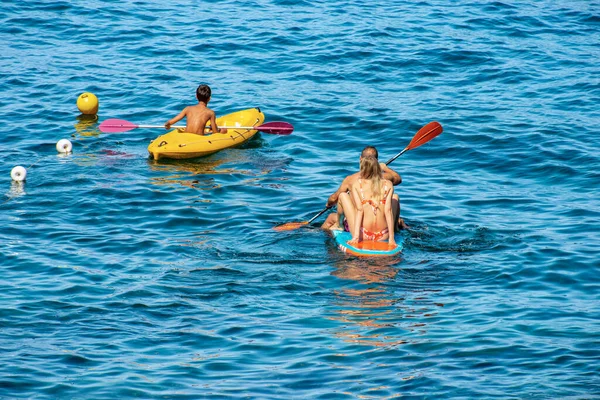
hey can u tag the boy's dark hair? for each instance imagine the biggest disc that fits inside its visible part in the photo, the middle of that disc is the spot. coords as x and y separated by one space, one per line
370 151
203 93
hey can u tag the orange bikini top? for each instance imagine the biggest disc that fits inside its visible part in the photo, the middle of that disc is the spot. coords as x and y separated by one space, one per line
373 204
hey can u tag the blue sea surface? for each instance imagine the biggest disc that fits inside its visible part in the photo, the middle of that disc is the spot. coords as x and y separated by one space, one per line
125 277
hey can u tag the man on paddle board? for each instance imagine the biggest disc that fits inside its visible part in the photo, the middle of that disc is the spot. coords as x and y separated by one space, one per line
198 115
333 220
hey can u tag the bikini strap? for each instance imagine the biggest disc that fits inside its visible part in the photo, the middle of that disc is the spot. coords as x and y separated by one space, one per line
362 194
385 193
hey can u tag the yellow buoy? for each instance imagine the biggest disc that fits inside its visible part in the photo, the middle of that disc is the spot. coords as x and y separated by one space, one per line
87 103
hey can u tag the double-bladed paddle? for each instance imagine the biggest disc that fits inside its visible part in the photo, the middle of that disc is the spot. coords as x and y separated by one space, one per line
423 135
120 125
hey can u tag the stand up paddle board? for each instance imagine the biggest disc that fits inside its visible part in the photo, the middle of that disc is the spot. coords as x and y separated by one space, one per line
366 248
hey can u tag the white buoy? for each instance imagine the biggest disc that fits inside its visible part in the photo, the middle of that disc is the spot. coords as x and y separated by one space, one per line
18 174
64 146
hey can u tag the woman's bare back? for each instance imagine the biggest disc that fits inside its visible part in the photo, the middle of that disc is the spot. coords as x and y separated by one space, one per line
373 211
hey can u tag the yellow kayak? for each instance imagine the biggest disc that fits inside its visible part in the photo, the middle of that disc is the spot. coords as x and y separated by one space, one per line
180 144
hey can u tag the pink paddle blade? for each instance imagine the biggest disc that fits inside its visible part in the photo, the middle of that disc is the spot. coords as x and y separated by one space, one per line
277 128
114 125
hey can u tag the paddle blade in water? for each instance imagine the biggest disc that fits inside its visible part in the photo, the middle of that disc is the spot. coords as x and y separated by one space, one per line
116 126
290 226
425 134
277 128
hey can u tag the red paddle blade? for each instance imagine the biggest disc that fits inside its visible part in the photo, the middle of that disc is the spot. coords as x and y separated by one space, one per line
277 128
116 125
289 226
425 134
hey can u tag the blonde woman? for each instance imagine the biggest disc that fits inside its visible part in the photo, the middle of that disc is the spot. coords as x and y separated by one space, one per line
369 211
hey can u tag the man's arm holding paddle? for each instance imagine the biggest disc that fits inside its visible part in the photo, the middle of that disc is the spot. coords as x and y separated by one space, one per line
390 174
344 187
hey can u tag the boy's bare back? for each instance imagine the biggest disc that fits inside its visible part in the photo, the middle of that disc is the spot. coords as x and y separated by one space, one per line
196 118
198 115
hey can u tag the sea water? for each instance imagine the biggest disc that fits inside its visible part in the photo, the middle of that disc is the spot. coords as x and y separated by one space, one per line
123 277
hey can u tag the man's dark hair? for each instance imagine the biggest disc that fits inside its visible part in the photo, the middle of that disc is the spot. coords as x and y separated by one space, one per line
370 151
203 93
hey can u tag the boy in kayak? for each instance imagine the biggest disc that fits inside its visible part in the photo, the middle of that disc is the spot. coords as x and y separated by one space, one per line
333 220
198 115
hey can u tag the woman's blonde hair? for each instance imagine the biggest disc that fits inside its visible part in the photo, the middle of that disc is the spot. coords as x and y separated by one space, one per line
370 169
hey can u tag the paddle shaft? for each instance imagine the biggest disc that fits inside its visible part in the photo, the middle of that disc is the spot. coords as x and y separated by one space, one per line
208 127
396 156
114 125
318 215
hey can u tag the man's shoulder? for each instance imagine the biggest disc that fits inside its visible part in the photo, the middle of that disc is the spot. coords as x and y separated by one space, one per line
350 179
348 182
